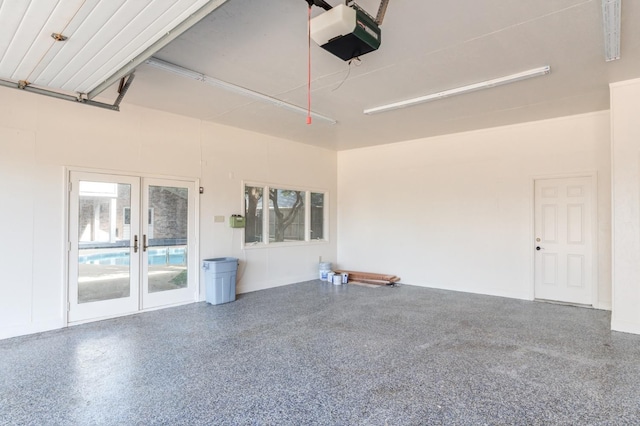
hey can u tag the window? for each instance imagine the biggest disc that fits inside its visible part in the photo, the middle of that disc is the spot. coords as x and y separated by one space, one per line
253 214
291 215
286 215
317 216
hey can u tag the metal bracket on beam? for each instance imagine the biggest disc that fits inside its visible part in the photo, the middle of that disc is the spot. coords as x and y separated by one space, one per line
123 89
23 85
320 3
381 11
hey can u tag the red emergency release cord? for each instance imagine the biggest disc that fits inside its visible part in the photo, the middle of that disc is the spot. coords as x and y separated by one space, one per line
309 70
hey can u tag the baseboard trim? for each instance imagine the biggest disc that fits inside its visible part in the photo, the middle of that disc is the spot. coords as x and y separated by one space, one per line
33 328
625 326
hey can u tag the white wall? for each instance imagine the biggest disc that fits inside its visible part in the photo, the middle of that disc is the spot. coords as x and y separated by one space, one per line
455 212
231 156
625 153
41 136
450 212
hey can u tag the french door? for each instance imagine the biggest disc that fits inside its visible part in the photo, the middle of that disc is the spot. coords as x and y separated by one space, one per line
132 244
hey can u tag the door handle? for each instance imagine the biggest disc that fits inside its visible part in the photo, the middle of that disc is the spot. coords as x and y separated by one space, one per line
135 243
539 248
144 242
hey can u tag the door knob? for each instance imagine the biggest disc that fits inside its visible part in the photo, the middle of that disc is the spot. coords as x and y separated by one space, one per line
539 248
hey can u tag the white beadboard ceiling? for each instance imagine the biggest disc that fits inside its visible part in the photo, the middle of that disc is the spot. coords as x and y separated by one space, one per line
102 37
426 47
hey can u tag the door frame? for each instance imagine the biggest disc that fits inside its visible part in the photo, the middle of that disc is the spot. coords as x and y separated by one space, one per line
593 176
66 304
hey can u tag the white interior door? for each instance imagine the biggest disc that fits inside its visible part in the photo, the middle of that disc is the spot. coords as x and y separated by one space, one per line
132 244
169 264
104 260
563 240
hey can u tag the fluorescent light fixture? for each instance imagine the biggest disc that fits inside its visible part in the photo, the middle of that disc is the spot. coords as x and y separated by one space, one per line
212 81
611 13
460 90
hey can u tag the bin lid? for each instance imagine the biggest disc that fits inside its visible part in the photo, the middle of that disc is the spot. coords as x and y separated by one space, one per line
222 259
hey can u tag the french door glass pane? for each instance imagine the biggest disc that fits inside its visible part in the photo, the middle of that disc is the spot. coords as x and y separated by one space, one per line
104 236
167 232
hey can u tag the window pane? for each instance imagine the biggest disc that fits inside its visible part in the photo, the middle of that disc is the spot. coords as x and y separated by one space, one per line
286 215
317 216
253 214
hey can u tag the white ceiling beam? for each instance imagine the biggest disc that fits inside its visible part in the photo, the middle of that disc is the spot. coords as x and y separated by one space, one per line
212 81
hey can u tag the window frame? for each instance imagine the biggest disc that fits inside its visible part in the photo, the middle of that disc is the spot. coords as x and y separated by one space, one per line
265 243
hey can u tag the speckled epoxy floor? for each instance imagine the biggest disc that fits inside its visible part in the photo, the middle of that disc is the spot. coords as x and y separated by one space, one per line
316 354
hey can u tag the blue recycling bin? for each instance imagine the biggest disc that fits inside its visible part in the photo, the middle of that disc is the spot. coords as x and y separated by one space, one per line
220 279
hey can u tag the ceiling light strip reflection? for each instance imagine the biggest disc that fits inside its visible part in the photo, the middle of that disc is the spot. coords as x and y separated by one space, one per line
460 90
212 81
